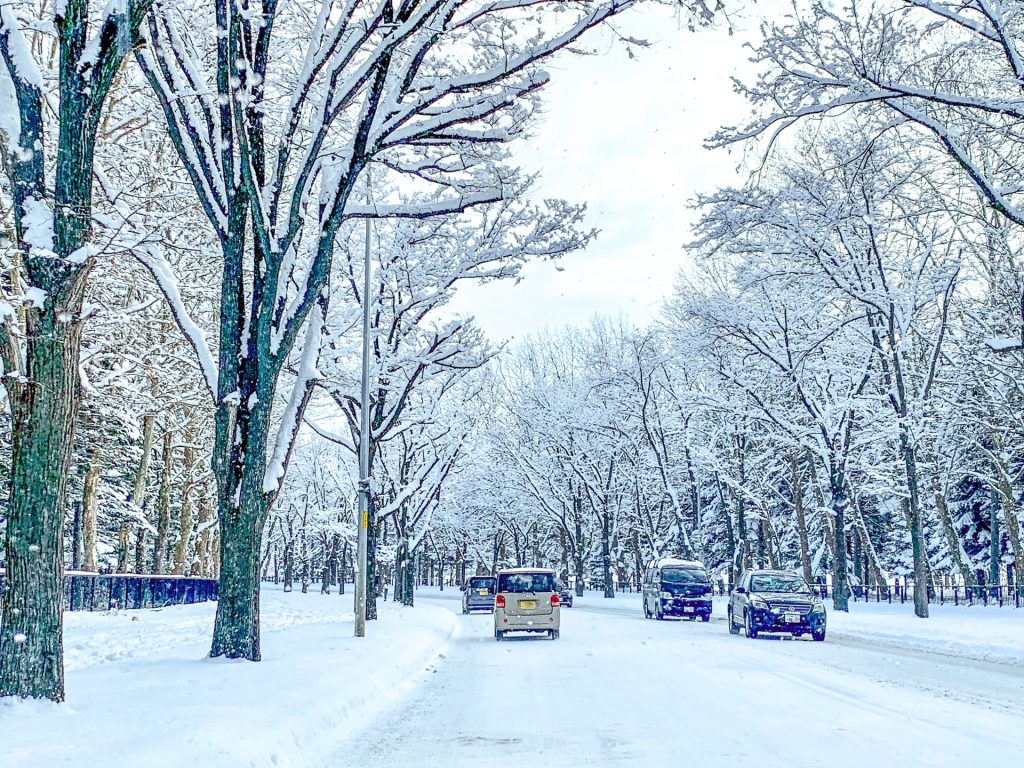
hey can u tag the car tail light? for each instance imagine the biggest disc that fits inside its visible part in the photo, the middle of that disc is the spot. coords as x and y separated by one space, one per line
499 601
555 600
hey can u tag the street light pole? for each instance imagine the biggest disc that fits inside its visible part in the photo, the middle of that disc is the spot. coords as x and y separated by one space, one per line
364 440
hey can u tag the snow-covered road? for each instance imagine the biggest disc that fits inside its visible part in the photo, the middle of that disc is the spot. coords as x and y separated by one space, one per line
618 690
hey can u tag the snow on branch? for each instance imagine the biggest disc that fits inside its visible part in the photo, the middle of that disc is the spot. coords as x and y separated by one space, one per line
166 280
302 389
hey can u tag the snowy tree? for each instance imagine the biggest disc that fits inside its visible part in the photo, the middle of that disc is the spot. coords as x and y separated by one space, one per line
392 87
44 285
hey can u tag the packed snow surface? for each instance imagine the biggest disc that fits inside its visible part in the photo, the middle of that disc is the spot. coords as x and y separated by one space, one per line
620 690
430 687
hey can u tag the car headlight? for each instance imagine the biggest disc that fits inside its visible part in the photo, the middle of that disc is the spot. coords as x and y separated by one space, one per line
757 602
818 607
666 595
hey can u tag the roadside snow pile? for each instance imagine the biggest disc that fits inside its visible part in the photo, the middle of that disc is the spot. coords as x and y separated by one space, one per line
980 632
140 691
977 631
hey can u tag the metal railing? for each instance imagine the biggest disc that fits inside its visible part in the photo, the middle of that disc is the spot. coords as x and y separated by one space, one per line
1001 595
106 592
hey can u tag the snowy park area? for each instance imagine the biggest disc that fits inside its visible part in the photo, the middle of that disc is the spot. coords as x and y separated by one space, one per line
430 687
141 692
470 304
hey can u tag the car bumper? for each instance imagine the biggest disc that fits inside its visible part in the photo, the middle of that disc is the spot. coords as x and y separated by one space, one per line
481 604
686 606
537 623
770 621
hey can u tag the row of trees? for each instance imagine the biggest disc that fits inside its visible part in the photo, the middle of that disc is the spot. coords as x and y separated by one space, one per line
838 388
182 185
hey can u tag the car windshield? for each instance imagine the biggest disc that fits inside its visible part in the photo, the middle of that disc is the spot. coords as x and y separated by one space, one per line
778 582
683 576
526 582
482 583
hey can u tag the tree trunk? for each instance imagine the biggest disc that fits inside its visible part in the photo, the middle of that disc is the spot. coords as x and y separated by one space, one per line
289 567
956 550
342 568
163 526
801 520
304 555
916 528
138 497
403 574
92 478
606 553
44 406
1009 508
186 518
236 632
410 579
840 581
325 568
76 535
124 533
371 564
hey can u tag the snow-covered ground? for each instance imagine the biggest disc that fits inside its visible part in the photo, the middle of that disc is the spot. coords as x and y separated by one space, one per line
431 687
140 693
619 690
979 632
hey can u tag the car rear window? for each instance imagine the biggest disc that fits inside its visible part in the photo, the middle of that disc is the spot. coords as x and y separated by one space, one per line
526 582
684 576
486 582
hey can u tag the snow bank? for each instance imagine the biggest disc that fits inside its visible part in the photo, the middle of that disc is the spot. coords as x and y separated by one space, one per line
977 631
140 691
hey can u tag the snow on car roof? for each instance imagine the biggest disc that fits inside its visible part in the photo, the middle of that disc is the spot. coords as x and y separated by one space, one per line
667 561
526 570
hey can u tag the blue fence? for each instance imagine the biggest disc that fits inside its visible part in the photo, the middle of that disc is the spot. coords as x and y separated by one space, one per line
105 592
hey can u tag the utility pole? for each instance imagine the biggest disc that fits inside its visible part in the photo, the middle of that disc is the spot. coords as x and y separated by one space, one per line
364 440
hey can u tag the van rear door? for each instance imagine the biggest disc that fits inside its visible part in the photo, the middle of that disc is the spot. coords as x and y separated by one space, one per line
527 594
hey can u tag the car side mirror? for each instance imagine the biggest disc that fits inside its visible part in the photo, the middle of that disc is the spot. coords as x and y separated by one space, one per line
740 591
462 587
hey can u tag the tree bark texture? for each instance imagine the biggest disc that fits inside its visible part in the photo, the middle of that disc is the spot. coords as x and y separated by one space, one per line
44 408
163 507
89 504
801 520
186 517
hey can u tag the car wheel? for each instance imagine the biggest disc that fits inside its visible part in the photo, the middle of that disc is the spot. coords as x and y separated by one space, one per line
748 623
705 617
498 635
554 634
818 636
658 613
733 628
647 611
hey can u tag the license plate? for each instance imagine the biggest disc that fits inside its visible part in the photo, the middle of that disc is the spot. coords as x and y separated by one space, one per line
528 605
688 609
482 591
791 618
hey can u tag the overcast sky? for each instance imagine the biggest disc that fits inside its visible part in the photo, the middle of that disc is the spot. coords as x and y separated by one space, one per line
626 137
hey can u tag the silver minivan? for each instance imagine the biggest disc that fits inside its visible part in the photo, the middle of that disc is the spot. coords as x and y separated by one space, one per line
527 601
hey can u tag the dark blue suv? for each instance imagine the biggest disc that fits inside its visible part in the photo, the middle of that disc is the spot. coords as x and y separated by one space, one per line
775 601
